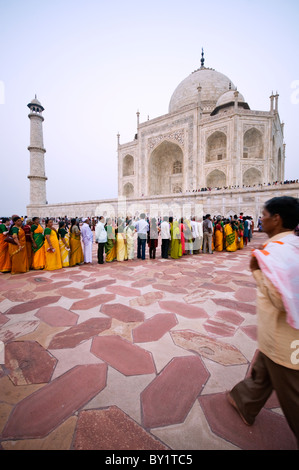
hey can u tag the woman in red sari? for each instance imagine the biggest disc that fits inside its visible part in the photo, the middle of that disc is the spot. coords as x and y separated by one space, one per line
182 229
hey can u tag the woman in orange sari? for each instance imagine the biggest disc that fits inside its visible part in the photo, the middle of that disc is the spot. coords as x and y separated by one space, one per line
52 249
218 236
5 262
18 252
38 259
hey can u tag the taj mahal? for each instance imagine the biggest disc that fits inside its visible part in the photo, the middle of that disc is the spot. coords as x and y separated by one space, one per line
209 154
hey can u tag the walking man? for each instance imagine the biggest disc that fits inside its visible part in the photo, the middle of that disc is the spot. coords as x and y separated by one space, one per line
275 269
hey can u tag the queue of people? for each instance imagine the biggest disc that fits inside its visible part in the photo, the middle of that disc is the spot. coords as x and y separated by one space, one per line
35 244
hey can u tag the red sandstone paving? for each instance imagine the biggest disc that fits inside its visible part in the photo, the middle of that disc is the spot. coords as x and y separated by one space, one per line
123 291
123 356
65 396
27 362
92 302
32 305
44 410
171 289
154 328
232 304
57 316
230 316
51 286
73 336
72 293
269 432
246 294
183 309
250 331
112 429
19 295
100 284
122 312
218 328
161 400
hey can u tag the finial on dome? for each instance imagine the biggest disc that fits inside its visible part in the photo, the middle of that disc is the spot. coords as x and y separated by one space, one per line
202 60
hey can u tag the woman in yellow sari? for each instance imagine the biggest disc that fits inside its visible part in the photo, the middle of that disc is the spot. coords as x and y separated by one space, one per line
38 259
176 245
5 261
230 237
18 252
218 236
76 254
110 245
64 244
129 231
121 242
52 250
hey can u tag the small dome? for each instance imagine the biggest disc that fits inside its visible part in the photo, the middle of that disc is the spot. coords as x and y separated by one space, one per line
228 97
227 100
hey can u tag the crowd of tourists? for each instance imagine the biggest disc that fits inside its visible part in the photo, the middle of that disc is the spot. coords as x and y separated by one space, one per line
257 185
50 244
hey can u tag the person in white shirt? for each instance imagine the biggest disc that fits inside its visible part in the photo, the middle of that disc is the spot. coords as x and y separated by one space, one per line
101 239
87 238
195 236
165 236
142 228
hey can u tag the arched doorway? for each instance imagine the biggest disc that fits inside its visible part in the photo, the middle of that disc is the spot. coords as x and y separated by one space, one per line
128 165
253 147
128 190
216 179
165 169
216 147
251 177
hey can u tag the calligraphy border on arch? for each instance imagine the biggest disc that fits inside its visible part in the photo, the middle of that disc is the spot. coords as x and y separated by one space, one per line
177 136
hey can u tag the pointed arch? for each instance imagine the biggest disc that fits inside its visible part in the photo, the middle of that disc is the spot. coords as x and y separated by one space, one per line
216 147
216 179
164 159
252 176
253 147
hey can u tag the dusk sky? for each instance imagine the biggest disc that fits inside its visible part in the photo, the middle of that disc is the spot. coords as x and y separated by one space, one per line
93 64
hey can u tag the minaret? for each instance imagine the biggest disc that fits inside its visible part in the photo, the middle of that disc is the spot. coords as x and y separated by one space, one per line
36 148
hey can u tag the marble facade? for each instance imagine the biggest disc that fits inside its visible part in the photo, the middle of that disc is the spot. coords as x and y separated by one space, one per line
209 139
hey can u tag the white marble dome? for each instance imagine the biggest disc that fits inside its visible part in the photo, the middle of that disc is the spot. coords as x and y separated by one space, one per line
229 97
213 84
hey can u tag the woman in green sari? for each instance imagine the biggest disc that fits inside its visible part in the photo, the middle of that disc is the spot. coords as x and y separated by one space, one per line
110 246
38 249
230 237
176 245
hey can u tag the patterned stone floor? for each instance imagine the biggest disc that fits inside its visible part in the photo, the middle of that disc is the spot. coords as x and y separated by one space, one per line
132 355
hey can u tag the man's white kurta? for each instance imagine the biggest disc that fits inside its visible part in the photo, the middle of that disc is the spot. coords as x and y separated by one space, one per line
87 239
